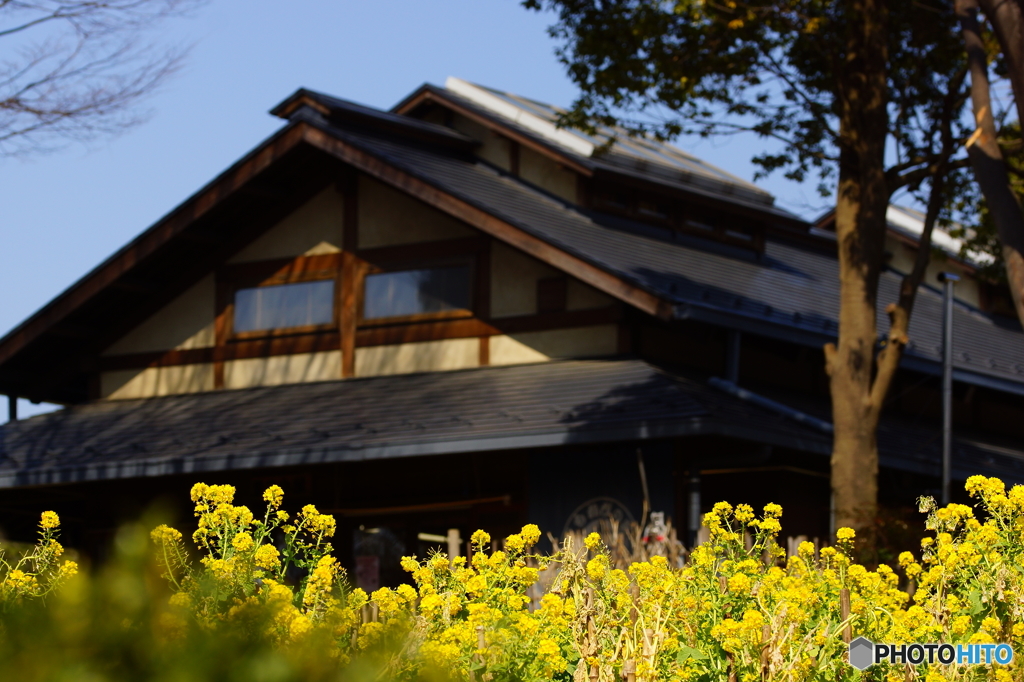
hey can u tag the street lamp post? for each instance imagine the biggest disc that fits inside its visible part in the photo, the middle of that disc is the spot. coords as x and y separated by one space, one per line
948 279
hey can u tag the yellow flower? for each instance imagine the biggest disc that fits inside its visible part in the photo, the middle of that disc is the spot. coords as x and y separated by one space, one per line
722 508
49 520
515 543
480 538
273 496
845 534
531 534
744 513
267 557
960 625
548 648
407 592
739 584
164 534
592 542
476 585
242 542
198 491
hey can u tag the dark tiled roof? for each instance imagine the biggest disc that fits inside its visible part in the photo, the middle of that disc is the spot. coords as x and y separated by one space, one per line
915 445
486 409
416 414
353 113
632 157
790 288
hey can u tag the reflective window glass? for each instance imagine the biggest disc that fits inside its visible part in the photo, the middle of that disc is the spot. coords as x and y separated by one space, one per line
283 306
415 292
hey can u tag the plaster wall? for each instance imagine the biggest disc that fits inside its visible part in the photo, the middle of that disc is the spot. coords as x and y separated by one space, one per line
578 342
514 277
185 322
314 228
282 369
424 356
388 217
156 381
494 148
580 296
547 174
902 261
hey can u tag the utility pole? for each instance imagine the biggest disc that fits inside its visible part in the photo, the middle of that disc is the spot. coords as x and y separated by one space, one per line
12 408
948 279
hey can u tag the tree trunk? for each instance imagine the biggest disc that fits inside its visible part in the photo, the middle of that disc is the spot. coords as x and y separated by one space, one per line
983 147
860 231
1007 19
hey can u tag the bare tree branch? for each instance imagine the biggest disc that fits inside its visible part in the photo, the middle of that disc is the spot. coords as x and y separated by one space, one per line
77 69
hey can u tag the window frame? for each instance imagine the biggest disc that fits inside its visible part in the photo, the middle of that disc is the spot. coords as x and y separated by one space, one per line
233 278
403 265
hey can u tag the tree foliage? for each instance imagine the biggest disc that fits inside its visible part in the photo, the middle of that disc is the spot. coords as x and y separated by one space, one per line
774 68
75 69
867 97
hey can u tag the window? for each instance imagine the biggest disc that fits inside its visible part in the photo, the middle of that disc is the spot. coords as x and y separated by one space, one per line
425 291
303 304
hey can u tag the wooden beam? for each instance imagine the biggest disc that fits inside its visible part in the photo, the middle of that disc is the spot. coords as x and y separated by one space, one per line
71 330
201 237
510 234
361 338
137 285
350 266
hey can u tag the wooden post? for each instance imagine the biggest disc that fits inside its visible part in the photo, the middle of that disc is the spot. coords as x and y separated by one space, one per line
648 649
730 664
766 635
844 613
454 543
629 670
481 643
591 628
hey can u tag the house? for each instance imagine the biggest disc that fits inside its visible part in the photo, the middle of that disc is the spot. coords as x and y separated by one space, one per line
455 314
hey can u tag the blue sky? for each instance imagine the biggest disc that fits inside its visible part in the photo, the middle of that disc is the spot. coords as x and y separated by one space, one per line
64 212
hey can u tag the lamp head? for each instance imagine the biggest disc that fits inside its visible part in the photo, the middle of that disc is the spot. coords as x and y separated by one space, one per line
948 277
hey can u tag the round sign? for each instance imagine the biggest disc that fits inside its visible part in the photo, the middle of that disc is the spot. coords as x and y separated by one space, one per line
596 516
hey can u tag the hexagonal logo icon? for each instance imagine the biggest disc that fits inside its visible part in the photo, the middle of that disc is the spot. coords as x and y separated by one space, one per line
862 653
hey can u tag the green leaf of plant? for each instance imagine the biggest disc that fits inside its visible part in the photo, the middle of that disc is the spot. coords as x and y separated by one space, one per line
685 653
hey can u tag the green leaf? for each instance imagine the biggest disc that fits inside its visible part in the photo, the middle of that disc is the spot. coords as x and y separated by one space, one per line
685 653
976 605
